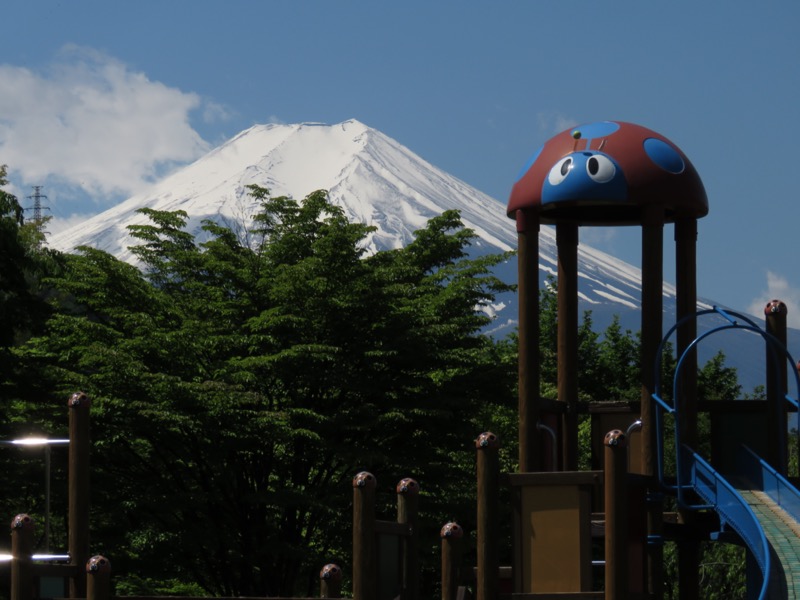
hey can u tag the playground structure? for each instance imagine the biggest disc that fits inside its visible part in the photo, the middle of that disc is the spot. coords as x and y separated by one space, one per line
573 532
614 173
86 576
384 552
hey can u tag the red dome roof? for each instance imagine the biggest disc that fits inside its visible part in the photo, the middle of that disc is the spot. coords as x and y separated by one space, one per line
605 173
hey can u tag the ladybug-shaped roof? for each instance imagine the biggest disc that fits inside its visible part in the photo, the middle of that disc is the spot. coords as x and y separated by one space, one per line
604 174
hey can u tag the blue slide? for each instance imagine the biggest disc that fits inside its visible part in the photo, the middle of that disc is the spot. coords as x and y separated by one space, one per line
756 505
763 508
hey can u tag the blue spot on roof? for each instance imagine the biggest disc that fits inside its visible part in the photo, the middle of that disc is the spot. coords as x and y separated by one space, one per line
664 155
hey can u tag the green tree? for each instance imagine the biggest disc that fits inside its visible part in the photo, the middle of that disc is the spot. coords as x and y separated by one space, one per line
240 384
16 266
717 381
610 370
588 348
23 310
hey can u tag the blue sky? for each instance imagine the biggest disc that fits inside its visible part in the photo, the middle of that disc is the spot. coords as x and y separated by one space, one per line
100 98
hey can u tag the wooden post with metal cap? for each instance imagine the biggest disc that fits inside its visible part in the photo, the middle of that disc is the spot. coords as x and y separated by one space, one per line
775 313
407 511
365 584
21 552
330 581
452 535
487 446
78 491
616 496
98 581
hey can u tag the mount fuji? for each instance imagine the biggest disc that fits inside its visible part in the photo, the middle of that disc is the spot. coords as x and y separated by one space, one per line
375 180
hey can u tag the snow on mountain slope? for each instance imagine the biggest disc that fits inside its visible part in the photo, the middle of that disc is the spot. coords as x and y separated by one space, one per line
379 182
374 178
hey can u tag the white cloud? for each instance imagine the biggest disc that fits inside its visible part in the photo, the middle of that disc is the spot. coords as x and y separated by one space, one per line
553 122
778 288
91 122
214 112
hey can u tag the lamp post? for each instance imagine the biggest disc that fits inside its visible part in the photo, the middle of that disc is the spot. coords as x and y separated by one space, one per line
47 443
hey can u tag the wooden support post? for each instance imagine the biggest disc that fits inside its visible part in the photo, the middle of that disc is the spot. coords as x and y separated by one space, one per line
652 332
686 396
21 553
487 446
365 584
686 304
529 370
407 511
330 581
616 507
452 535
78 491
777 454
567 242
98 581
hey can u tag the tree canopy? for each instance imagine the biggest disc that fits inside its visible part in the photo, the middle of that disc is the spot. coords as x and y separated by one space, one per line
245 379
238 383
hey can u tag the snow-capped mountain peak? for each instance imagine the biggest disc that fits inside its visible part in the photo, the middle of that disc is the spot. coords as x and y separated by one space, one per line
377 181
374 178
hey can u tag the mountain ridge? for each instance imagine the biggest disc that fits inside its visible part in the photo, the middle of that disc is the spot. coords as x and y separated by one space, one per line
377 181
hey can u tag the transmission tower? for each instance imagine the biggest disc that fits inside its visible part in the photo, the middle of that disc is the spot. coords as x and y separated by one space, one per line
38 220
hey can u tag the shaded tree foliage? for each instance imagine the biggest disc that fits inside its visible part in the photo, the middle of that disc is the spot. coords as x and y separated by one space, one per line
22 264
239 387
239 384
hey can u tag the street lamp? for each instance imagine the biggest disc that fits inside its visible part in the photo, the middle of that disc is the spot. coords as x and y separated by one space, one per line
47 443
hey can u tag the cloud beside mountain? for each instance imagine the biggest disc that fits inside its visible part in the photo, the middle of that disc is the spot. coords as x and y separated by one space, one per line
90 122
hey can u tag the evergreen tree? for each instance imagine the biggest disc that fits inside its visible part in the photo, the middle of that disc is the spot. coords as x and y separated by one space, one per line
239 384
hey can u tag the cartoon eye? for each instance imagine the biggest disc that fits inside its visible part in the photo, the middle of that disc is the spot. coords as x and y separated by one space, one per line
600 168
560 171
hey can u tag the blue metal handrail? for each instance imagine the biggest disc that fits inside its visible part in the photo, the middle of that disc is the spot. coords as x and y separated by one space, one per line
732 318
693 474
